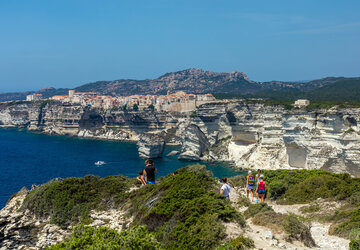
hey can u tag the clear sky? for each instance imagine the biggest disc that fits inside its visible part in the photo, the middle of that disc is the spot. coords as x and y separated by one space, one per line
66 43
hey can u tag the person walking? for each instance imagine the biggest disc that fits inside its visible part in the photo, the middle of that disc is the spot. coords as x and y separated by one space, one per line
225 188
257 180
250 183
260 189
150 171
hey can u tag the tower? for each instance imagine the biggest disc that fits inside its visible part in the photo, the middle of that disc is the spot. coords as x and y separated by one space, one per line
71 93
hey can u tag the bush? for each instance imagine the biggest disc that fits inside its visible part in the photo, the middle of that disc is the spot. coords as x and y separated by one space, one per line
70 201
310 209
298 230
355 239
239 243
304 186
350 221
186 211
84 237
238 180
256 208
243 201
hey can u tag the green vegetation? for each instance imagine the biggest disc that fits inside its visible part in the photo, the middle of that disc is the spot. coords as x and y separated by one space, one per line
298 230
345 221
152 107
46 102
193 114
304 186
291 224
186 210
239 243
255 209
349 131
135 107
69 201
310 209
355 239
84 237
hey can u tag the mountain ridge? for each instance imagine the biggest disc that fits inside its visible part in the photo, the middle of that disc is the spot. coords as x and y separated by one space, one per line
192 80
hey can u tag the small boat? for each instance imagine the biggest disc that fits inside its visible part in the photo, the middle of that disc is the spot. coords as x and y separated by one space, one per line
99 163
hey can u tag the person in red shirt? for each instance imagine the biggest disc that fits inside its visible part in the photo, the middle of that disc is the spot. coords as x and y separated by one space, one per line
260 189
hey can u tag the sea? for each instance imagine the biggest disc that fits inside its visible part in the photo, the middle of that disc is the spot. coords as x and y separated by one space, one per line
28 158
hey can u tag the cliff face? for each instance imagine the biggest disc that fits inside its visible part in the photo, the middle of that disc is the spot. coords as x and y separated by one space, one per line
251 135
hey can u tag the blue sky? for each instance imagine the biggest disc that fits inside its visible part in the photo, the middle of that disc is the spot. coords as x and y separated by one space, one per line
65 43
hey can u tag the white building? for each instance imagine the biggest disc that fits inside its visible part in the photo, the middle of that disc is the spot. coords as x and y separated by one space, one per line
301 103
33 97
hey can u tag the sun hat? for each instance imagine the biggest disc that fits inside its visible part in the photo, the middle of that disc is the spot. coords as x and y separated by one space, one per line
261 176
249 172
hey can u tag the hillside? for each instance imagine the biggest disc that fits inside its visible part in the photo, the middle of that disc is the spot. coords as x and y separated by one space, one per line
185 211
199 81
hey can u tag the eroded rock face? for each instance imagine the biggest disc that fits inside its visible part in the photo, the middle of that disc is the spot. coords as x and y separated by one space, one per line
257 136
151 145
194 143
20 229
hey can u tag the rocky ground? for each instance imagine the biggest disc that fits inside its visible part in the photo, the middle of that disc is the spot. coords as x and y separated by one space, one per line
267 239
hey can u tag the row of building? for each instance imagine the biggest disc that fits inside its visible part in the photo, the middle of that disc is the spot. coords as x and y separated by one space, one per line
179 101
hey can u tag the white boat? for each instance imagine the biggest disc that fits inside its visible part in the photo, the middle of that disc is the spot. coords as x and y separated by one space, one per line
99 163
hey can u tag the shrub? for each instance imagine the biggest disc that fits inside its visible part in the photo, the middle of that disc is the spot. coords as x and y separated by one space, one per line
304 186
239 243
152 107
186 211
193 114
69 201
351 220
84 237
298 230
254 209
238 180
135 107
270 219
310 209
243 201
355 239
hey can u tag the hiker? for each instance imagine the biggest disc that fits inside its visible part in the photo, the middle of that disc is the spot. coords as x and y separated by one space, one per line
150 171
225 188
141 178
257 180
250 183
260 189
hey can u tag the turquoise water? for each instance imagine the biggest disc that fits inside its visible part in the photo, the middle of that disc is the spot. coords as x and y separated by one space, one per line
29 158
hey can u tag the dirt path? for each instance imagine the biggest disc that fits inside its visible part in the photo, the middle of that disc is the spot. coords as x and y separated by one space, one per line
265 239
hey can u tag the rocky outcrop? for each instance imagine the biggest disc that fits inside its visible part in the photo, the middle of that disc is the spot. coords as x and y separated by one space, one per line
21 230
194 144
151 145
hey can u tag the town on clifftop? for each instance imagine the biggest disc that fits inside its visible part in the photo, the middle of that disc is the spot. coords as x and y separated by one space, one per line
178 101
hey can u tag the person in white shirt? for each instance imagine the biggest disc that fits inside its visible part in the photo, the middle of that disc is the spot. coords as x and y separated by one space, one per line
225 188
